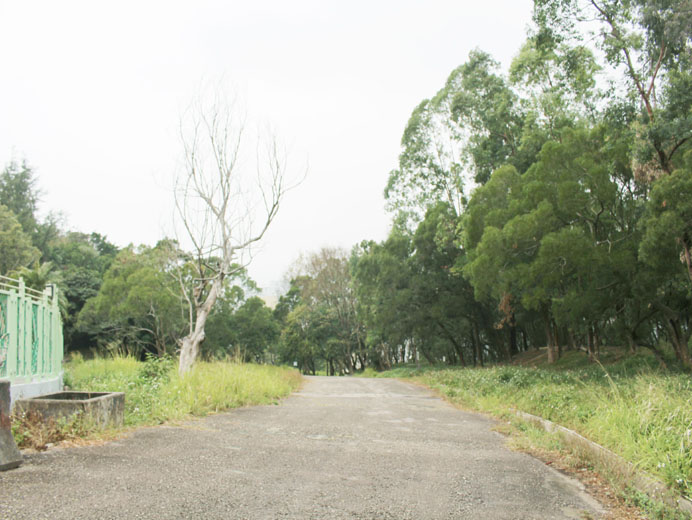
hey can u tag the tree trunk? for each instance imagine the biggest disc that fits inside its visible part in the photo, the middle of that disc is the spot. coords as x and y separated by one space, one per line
513 347
477 343
457 347
524 340
550 340
556 338
473 350
590 340
679 342
427 356
572 344
631 343
190 344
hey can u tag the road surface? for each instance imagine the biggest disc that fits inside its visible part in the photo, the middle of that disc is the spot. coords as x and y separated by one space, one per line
339 448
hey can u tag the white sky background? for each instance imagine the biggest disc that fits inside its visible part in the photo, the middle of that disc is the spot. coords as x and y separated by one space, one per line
91 94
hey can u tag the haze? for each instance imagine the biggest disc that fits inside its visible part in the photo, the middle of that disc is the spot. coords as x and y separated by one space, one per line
93 93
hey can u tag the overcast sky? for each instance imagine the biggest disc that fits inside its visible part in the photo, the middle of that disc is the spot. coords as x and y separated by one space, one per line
92 93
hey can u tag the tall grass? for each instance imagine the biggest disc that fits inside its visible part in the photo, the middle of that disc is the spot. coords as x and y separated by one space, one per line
155 393
642 414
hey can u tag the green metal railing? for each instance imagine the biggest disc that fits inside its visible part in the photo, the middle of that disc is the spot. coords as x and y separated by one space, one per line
31 342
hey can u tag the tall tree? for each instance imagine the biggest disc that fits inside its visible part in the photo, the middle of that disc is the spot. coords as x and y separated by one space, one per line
224 205
18 192
16 250
454 140
81 261
649 42
326 288
138 305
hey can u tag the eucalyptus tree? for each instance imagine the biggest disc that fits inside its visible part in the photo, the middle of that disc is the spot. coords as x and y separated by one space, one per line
666 247
454 140
648 46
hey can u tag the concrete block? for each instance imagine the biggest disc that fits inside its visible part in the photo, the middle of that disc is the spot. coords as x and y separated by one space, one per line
103 408
10 457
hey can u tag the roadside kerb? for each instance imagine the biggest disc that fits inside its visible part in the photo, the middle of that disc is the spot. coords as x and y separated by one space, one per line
612 463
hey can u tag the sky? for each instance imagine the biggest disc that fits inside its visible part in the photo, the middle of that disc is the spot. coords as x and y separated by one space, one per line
93 93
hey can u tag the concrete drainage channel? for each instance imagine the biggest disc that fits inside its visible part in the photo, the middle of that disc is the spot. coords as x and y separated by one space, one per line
613 463
102 409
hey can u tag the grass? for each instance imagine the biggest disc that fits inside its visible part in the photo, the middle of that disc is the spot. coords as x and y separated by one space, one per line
155 393
631 407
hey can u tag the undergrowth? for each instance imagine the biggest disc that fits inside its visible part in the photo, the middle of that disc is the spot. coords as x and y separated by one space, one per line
155 393
31 430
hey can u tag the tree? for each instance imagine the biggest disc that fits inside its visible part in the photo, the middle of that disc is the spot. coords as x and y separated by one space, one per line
383 288
666 248
323 286
138 303
649 43
455 140
668 224
81 261
220 329
16 250
255 329
19 194
222 207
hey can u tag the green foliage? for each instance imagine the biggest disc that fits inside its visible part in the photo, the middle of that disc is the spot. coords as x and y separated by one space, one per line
256 329
321 325
155 393
156 368
138 303
16 250
19 194
79 261
631 408
648 43
245 331
668 224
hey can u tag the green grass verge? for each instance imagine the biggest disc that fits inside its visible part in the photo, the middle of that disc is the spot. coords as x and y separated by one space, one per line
155 393
630 407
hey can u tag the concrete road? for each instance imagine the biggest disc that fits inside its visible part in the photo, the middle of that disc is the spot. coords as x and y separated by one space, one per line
340 448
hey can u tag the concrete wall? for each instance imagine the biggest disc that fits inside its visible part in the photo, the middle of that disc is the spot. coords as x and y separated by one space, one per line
25 390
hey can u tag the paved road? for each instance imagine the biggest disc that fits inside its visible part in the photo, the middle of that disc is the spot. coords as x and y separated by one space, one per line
340 448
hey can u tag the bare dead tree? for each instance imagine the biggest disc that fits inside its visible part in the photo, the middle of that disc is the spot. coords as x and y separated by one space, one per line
226 198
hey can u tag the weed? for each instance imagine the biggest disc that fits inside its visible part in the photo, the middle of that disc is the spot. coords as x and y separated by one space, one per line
632 408
32 430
